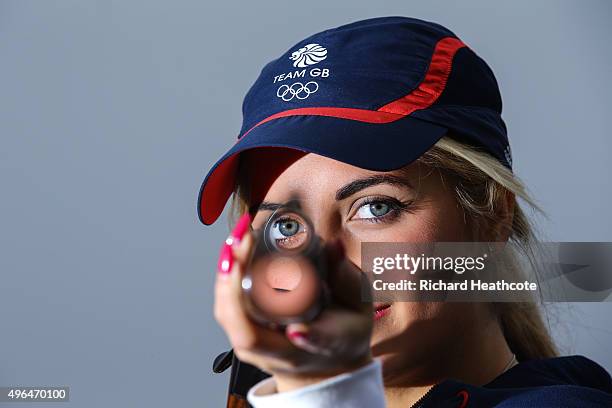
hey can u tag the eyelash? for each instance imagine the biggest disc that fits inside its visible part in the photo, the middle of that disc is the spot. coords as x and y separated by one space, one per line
396 208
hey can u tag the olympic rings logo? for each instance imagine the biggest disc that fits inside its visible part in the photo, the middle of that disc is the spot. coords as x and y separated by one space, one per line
297 90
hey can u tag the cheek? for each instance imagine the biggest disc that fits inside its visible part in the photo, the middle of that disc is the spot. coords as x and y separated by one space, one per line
445 224
442 221
428 225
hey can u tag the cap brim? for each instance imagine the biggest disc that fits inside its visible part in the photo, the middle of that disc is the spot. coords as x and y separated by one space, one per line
371 146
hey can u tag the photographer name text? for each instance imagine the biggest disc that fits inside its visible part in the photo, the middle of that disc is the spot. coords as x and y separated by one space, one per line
465 285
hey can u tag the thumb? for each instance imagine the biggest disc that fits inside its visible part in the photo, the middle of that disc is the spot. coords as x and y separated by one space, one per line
337 331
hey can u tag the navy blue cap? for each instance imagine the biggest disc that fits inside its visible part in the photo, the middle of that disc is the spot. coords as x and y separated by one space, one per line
375 94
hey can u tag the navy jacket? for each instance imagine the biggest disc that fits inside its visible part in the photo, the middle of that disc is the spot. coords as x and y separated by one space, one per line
573 381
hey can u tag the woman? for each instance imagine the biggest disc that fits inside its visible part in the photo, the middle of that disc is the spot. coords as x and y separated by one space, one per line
388 130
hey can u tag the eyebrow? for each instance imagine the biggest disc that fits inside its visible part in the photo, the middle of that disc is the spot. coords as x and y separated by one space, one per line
264 206
363 183
347 190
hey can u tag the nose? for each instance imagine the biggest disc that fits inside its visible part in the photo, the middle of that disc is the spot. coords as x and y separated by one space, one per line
329 227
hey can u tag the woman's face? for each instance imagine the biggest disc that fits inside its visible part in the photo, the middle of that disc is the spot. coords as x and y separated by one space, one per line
410 205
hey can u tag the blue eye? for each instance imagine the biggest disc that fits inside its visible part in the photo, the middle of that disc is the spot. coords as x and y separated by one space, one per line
286 228
373 210
381 209
289 234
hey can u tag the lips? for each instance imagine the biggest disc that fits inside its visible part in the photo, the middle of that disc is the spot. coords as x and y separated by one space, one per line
381 310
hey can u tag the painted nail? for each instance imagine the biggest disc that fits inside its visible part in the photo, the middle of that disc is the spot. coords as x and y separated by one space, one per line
301 341
297 336
242 226
305 342
226 260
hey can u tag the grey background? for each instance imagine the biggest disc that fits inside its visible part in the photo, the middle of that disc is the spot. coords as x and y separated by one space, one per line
111 112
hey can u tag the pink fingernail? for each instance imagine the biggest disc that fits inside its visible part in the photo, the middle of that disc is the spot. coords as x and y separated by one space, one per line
226 260
304 341
297 335
242 226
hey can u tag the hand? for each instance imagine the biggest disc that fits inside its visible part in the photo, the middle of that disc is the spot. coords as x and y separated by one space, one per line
337 341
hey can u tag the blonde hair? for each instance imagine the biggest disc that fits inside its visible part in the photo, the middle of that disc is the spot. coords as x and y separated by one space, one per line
482 185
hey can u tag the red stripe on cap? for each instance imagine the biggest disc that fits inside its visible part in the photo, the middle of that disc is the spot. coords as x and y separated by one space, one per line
423 96
434 82
361 115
